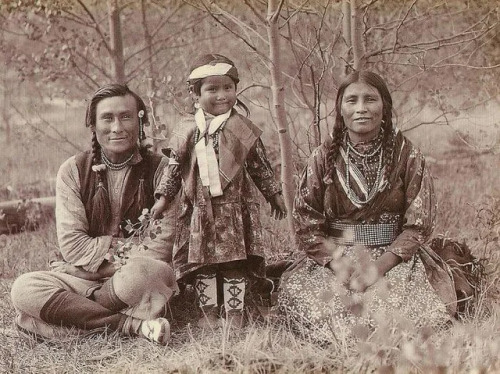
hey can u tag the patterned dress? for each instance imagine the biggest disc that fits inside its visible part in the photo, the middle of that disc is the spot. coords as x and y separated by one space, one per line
233 235
399 218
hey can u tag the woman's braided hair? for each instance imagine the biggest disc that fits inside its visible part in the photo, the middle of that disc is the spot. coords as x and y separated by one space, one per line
194 85
339 128
101 210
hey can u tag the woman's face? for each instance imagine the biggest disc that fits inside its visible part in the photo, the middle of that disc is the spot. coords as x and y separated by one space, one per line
362 111
217 94
117 126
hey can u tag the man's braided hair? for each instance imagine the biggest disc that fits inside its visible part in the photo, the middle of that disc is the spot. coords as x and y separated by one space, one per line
101 211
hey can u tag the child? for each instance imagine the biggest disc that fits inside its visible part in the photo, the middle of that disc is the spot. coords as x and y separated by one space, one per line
220 158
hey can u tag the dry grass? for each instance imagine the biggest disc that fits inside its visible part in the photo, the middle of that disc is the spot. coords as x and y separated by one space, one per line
465 188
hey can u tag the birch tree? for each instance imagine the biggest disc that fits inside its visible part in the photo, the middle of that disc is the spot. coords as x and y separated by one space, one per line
277 89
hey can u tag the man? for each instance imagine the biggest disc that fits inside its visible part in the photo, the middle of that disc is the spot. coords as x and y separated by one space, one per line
96 192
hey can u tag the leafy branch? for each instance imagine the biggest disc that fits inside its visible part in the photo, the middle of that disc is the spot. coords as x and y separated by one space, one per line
145 227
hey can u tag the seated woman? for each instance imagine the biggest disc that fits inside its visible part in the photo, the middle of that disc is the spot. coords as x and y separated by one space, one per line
363 209
96 192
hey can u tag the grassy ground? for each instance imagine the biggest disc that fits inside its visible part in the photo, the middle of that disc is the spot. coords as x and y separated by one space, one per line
467 188
265 346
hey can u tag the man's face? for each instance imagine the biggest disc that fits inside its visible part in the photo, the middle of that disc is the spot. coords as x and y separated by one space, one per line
117 126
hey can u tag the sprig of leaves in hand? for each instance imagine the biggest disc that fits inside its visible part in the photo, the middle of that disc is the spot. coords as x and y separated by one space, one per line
145 227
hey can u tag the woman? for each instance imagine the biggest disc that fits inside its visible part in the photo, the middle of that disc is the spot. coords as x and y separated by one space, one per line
364 208
96 192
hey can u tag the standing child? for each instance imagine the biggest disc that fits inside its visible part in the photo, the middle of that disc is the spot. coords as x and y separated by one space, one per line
220 158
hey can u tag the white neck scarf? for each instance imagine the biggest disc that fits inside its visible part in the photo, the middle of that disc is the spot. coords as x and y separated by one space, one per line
205 153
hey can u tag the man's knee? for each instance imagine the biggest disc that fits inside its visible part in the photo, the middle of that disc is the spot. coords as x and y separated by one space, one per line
141 274
146 268
25 289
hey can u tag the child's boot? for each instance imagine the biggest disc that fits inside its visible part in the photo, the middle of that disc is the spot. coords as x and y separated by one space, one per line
234 300
206 292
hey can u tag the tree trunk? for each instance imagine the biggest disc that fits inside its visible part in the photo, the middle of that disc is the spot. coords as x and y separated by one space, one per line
356 37
279 109
346 30
346 22
150 75
6 104
5 112
115 34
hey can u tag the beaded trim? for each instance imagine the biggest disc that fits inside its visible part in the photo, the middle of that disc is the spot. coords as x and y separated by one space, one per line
215 139
365 234
117 166
371 194
364 155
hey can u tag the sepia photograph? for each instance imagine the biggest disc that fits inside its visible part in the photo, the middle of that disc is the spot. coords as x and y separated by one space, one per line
250 186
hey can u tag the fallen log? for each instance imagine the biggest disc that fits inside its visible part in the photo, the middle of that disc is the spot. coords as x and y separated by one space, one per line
25 214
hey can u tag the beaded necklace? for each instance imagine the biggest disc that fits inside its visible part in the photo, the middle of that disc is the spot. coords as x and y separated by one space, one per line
371 194
115 166
364 155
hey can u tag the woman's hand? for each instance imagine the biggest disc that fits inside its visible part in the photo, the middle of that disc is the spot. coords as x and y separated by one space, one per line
342 268
278 207
159 207
361 279
365 276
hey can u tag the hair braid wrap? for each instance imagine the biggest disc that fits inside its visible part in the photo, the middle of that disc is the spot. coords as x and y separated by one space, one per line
101 211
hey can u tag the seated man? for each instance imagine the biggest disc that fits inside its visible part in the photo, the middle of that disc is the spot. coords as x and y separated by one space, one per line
96 192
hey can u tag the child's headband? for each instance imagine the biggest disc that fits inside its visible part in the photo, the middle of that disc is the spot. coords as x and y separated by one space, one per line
220 68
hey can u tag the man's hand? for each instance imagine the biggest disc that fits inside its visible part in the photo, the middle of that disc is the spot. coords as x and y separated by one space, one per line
106 270
76 271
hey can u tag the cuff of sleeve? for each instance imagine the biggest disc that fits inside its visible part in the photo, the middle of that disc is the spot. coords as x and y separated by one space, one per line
323 261
160 192
321 255
268 195
269 198
400 253
103 246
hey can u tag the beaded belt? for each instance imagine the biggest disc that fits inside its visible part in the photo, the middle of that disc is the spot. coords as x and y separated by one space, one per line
365 234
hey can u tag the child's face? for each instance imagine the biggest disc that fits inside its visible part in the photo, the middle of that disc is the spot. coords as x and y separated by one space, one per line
217 94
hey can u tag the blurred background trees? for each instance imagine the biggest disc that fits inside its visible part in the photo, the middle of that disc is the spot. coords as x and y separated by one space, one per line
440 58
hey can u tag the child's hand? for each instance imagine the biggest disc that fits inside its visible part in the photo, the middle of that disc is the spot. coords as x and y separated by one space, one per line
159 207
278 207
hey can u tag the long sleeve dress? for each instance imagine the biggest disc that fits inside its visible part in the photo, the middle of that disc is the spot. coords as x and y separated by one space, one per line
399 219
234 233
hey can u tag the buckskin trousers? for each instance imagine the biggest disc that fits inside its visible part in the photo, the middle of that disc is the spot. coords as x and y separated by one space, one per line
52 305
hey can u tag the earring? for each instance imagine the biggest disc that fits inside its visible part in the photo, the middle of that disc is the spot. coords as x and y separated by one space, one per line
142 136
